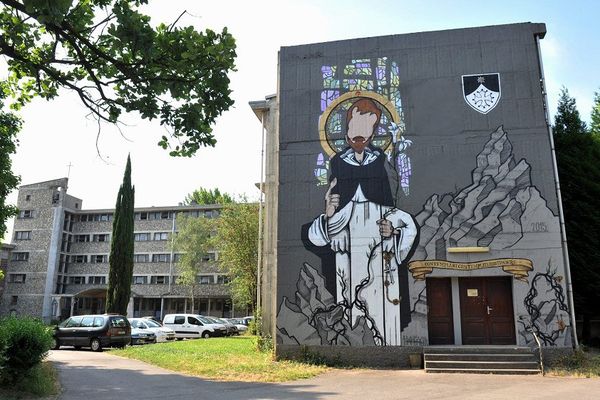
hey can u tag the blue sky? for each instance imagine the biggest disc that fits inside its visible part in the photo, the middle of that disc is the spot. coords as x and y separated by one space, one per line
59 132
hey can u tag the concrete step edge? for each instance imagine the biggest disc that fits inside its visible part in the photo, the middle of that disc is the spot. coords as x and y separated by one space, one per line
479 362
482 370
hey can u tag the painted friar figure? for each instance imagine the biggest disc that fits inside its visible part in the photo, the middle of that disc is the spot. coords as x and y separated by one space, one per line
370 237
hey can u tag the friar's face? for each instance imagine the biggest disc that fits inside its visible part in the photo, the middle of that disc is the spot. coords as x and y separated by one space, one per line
360 130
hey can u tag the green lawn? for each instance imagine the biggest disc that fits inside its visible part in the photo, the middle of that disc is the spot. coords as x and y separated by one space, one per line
227 359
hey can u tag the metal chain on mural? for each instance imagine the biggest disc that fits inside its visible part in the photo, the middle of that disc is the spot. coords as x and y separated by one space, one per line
535 310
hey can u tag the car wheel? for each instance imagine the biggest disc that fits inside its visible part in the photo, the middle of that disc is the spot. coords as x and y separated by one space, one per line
95 344
55 344
206 334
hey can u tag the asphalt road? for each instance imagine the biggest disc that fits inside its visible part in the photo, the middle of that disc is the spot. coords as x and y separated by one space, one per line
98 376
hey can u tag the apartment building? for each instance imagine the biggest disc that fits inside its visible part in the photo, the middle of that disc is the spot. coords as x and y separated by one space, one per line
58 262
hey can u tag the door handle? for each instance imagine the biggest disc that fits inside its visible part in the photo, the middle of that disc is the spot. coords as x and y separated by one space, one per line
489 309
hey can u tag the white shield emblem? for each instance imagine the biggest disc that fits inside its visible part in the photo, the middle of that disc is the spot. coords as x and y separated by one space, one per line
481 91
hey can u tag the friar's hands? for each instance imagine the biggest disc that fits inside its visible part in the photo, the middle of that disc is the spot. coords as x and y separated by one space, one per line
386 230
332 201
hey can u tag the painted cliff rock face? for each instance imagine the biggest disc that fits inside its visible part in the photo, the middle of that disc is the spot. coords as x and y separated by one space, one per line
500 202
314 318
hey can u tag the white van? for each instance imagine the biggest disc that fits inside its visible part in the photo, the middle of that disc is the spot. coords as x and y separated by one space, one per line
188 326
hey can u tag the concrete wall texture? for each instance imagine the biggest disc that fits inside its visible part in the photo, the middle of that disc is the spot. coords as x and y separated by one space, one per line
409 158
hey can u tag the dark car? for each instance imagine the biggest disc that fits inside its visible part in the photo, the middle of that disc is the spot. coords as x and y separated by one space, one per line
94 331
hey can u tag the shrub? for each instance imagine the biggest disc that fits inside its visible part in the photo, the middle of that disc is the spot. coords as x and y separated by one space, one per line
26 342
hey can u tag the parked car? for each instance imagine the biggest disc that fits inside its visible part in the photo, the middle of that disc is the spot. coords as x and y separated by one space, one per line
218 327
162 333
155 319
142 336
94 331
189 326
230 329
239 324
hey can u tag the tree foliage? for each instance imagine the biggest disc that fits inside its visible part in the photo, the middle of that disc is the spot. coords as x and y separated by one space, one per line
567 119
10 125
208 196
109 54
578 158
595 117
193 242
120 272
237 243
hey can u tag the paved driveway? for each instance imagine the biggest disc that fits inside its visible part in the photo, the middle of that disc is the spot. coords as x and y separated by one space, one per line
98 376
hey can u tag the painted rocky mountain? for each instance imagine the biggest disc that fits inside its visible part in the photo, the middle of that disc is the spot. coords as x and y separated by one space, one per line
315 319
501 201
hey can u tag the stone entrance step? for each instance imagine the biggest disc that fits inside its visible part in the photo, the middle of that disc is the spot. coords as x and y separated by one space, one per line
481 359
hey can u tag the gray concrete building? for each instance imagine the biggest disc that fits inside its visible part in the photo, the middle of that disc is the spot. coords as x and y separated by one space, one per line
413 197
58 263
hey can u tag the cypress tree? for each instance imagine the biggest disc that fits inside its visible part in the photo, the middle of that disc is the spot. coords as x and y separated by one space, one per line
121 248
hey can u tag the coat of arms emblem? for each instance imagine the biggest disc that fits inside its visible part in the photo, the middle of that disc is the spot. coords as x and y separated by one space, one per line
481 91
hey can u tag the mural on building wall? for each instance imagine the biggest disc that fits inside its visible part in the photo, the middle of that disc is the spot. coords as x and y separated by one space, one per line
381 78
547 310
369 288
498 209
362 236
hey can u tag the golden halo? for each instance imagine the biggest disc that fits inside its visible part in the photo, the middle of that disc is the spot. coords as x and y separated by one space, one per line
384 101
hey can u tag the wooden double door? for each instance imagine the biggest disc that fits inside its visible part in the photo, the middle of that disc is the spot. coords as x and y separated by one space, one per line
486 311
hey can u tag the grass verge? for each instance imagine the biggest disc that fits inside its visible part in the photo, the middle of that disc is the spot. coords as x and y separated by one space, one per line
40 382
580 363
226 359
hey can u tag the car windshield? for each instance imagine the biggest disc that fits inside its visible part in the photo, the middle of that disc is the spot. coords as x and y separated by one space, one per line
205 320
152 324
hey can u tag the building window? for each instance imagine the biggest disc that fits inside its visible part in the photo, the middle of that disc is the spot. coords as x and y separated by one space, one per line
222 279
141 237
79 259
20 256
140 280
153 215
161 257
23 235
205 279
97 280
142 216
99 258
177 257
77 280
141 258
27 197
209 257
159 279
16 278
81 238
24 214
14 300
161 235
102 237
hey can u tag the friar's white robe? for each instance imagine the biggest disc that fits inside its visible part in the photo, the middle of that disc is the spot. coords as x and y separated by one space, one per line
365 262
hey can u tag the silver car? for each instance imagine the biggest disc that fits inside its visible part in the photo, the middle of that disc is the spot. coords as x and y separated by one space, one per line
163 334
